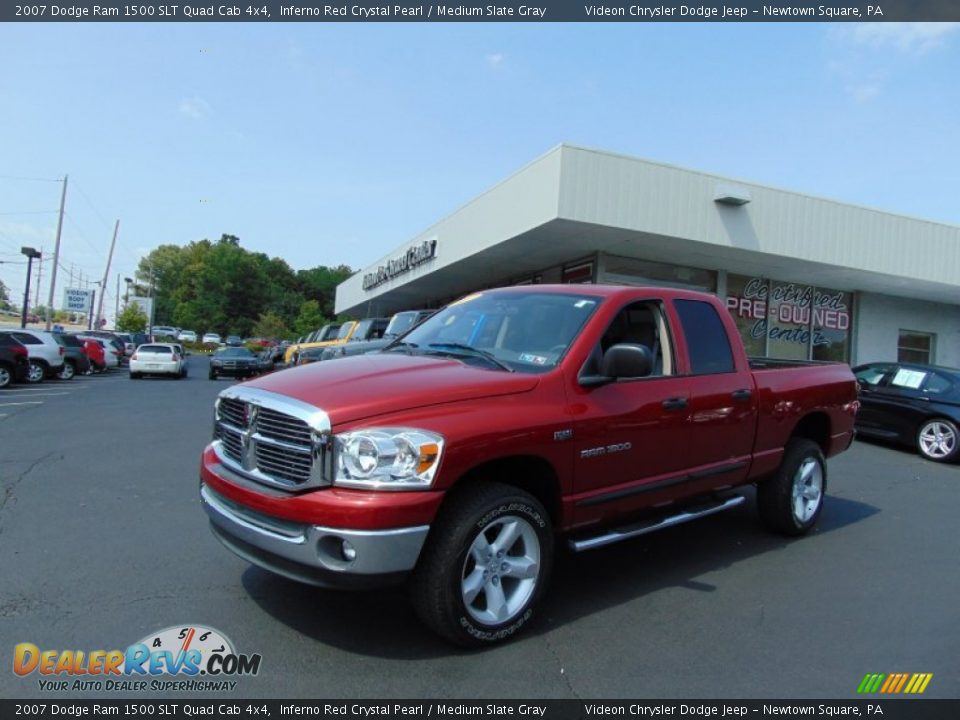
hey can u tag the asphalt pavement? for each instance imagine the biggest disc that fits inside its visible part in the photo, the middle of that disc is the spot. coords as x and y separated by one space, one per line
103 542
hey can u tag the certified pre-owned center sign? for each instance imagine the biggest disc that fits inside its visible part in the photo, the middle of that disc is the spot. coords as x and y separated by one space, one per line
416 255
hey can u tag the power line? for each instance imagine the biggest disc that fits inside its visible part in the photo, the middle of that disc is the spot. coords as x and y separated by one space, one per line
92 206
31 212
30 179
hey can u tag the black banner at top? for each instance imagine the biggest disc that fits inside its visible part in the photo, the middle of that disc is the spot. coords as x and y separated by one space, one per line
729 11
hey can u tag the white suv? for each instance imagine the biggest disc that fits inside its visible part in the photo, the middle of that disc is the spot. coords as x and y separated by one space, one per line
45 353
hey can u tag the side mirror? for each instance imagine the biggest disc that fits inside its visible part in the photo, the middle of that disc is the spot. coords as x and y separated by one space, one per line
620 361
627 361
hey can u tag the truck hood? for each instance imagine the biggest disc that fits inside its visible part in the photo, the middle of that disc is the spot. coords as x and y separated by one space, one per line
353 388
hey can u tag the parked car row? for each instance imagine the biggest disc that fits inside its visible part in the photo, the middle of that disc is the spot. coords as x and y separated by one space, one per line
58 355
352 337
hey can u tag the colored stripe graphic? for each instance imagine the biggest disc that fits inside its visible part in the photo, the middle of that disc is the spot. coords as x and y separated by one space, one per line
894 683
870 683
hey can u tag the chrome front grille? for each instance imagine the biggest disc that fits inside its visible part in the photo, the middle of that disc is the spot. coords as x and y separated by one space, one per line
278 426
273 439
232 411
231 441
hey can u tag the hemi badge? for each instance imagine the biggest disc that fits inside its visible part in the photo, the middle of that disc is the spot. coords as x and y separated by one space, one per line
561 435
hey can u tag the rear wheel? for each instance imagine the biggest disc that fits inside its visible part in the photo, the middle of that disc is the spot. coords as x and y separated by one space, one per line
68 371
37 372
134 376
485 565
791 500
939 440
6 376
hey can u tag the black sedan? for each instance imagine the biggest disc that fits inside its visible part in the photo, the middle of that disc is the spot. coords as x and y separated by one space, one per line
234 362
918 405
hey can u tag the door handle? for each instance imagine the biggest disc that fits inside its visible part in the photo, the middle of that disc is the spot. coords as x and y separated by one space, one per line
677 403
741 394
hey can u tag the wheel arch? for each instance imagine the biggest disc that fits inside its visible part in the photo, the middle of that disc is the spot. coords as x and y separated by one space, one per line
814 426
530 473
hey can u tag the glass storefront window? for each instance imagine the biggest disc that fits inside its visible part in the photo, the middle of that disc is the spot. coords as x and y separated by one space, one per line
831 324
747 302
618 270
790 321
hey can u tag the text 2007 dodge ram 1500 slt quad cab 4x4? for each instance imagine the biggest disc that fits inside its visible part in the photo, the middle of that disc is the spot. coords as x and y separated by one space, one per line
511 420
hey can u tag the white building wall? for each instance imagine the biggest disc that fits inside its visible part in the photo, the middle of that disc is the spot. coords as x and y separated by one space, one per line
880 318
605 189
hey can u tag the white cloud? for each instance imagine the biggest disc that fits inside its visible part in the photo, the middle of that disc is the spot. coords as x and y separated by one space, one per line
495 60
907 37
195 107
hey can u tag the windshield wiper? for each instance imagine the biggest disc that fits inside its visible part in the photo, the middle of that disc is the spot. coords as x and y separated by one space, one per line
476 352
407 347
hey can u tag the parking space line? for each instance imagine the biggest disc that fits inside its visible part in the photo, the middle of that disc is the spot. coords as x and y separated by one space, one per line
35 394
28 402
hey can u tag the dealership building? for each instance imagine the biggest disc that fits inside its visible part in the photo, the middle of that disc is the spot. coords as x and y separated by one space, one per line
804 277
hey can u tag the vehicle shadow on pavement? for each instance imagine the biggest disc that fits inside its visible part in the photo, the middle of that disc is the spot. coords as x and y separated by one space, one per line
382 623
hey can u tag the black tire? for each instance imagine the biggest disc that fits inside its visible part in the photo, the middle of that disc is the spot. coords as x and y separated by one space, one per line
37 372
790 500
480 515
68 371
212 375
6 376
135 376
938 439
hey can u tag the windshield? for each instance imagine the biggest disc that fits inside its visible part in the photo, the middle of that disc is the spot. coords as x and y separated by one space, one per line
400 323
237 352
524 331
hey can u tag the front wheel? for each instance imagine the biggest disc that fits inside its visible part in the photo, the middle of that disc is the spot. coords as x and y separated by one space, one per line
212 375
485 565
791 500
37 372
939 440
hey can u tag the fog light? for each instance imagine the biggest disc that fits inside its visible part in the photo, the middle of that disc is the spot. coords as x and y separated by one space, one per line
348 551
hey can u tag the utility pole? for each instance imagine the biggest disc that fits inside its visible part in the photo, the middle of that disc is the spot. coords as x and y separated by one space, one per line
103 285
56 253
36 297
116 308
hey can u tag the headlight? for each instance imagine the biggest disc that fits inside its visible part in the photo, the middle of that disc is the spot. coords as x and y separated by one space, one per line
387 458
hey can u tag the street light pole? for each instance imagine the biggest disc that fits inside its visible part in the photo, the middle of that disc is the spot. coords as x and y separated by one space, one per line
31 254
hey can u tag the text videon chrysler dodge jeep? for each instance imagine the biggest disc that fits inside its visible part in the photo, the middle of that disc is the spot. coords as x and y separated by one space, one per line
459 456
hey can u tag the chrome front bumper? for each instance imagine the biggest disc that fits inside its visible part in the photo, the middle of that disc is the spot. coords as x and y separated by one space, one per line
329 557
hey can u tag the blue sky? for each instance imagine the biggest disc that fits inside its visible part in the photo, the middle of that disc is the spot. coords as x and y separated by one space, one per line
330 144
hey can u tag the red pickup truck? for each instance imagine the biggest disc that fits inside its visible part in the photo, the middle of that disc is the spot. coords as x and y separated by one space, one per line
512 420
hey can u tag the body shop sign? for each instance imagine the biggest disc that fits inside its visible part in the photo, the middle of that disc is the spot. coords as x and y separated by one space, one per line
414 256
791 310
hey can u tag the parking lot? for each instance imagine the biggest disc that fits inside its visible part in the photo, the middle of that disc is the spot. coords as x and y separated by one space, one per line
104 542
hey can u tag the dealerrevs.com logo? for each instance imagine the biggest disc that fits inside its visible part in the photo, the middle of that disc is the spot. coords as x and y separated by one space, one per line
186 658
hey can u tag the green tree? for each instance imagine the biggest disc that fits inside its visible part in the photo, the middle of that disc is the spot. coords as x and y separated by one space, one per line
309 319
270 325
4 296
132 319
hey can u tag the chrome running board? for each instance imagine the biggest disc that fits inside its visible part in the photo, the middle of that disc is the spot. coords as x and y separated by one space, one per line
629 531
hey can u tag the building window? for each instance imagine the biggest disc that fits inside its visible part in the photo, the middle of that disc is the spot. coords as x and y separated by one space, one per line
578 274
790 321
916 347
618 270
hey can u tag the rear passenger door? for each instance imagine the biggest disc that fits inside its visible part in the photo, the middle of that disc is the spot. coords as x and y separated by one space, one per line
723 406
